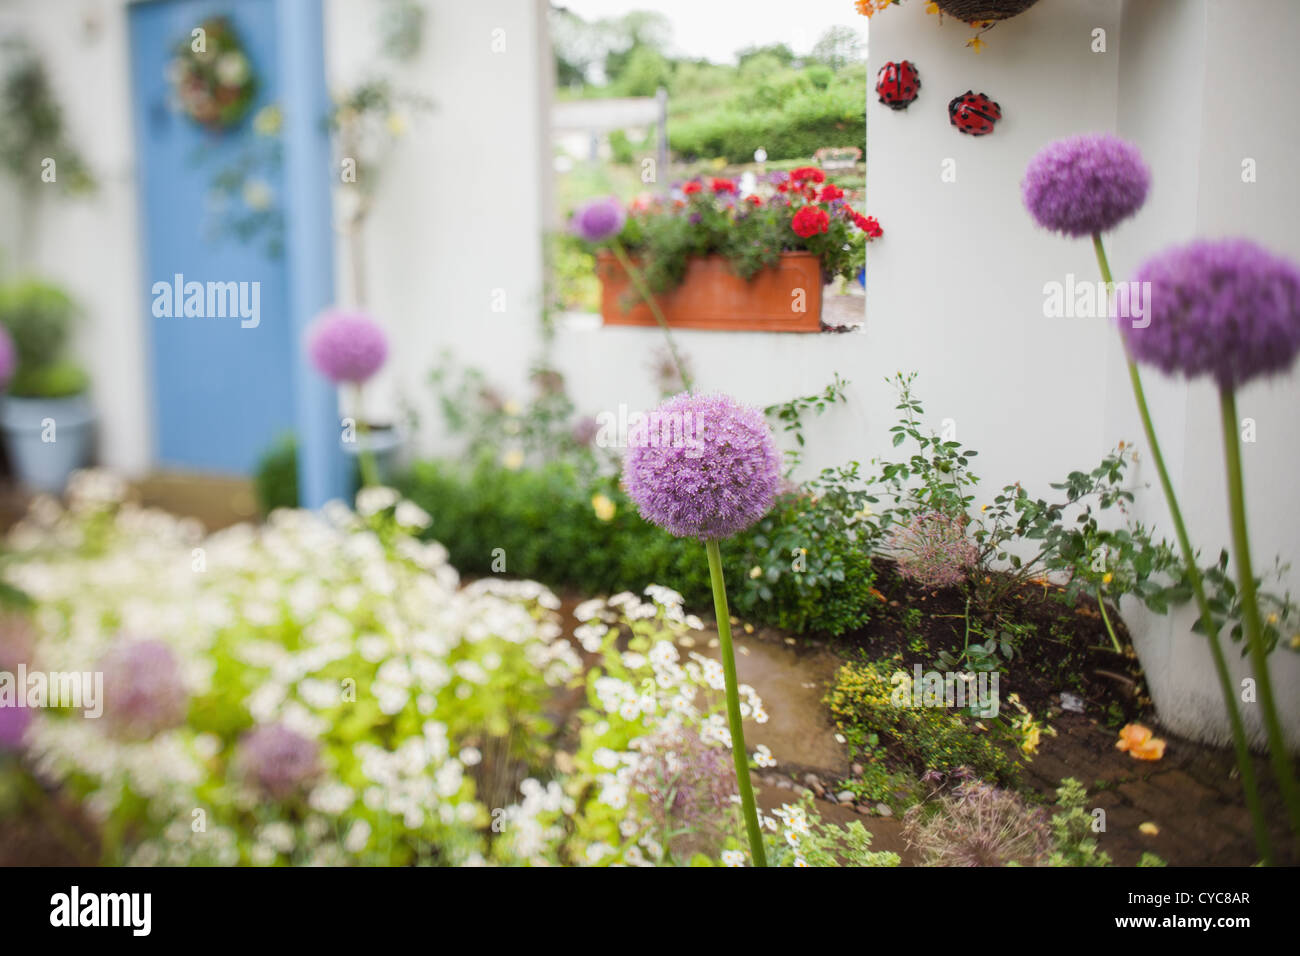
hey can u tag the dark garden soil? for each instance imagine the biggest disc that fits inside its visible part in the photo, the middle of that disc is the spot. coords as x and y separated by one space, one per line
1064 647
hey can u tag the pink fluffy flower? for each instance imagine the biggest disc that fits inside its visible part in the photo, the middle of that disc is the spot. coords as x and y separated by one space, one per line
346 346
702 466
1083 185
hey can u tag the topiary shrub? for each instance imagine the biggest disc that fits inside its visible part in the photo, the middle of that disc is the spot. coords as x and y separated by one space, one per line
39 318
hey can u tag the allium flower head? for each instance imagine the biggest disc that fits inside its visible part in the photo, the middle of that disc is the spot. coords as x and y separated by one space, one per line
1224 308
689 783
978 825
598 220
1085 184
702 466
143 691
279 761
13 724
933 550
346 346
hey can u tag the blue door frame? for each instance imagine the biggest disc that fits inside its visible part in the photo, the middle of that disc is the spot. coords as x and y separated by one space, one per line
224 388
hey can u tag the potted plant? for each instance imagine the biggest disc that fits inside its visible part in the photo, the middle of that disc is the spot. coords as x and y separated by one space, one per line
46 417
714 259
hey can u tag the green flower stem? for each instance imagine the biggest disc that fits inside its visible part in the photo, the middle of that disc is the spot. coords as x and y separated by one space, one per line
738 751
1245 763
365 456
1105 619
1250 608
643 290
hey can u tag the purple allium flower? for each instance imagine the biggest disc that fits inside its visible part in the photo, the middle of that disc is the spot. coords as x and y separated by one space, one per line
585 430
279 761
14 721
932 549
8 357
143 691
346 346
688 782
1225 308
978 825
598 220
702 466
1085 184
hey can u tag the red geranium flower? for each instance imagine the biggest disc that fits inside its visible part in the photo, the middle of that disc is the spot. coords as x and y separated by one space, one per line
723 186
783 188
691 188
831 191
809 174
754 199
809 221
868 224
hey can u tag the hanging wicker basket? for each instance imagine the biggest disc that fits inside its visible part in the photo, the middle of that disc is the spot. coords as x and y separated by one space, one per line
972 11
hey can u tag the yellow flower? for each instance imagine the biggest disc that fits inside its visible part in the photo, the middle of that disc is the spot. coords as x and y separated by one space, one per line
1033 736
1149 828
975 43
1107 578
603 507
513 459
932 7
396 124
755 572
266 122
511 407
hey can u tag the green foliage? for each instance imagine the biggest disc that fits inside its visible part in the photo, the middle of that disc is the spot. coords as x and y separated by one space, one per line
60 379
924 738
276 478
808 569
665 236
805 120
545 521
811 841
39 318
1072 830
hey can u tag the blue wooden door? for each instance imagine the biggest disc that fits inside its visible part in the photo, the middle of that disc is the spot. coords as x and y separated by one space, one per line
212 211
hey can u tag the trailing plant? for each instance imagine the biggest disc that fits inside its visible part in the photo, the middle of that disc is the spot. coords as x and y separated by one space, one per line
33 131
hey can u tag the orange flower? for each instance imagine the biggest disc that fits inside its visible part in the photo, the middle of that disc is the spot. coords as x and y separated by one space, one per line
1140 742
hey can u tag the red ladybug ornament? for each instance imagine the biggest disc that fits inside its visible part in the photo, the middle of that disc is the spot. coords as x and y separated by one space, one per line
973 113
897 84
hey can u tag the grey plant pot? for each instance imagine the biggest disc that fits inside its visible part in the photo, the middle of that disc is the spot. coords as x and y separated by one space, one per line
29 424
386 445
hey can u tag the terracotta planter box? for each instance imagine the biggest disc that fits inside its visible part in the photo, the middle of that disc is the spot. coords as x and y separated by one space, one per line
713 297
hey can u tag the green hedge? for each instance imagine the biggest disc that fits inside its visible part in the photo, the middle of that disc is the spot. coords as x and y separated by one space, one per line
806 122
544 520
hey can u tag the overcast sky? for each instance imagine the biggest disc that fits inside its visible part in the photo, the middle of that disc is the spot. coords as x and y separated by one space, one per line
716 29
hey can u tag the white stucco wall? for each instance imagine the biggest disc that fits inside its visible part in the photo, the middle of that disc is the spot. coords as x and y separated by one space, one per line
458 219
1183 103
89 244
